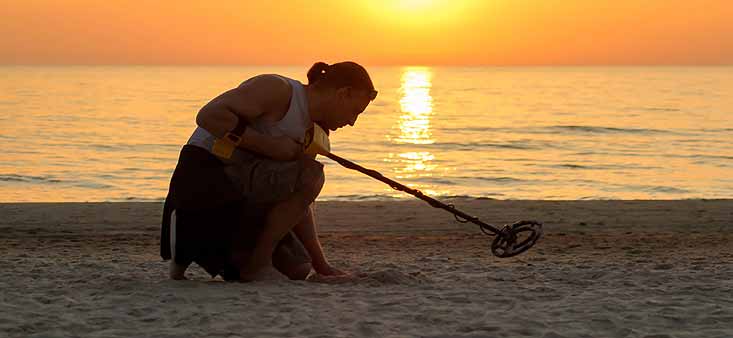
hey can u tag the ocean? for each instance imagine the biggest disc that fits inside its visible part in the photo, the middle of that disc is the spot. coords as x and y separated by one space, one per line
113 133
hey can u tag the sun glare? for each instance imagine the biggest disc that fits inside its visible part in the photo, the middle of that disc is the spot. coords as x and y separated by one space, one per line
417 11
414 5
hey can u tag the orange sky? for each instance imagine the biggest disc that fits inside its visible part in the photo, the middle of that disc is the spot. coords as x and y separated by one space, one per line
374 32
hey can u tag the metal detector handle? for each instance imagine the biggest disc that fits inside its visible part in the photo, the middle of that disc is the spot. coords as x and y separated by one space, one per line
414 192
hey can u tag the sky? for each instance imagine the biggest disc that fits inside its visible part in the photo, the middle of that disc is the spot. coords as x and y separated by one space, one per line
373 32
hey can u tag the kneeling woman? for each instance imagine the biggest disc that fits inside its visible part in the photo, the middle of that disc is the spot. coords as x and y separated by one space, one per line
247 214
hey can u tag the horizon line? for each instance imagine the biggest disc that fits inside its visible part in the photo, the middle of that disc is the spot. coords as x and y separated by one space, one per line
366 64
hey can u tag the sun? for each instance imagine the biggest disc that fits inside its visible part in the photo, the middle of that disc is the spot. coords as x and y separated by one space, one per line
414 5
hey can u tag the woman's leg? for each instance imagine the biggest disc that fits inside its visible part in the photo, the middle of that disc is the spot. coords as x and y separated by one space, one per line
175 271
283 217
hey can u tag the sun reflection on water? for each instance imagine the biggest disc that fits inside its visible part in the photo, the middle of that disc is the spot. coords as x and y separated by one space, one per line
416 105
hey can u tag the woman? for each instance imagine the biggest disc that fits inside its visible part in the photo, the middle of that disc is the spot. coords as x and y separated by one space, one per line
251 139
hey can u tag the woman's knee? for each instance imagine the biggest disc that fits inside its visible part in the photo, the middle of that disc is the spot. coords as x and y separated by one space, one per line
312 177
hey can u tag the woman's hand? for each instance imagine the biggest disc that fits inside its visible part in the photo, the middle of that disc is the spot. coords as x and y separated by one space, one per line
328 270
330 275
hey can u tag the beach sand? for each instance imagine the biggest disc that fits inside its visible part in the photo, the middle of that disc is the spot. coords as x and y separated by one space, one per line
602 269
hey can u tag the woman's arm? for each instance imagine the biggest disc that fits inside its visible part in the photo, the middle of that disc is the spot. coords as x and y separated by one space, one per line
307 233
258 96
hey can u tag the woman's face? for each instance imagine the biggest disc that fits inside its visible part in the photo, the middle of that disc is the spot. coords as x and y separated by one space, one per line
344 106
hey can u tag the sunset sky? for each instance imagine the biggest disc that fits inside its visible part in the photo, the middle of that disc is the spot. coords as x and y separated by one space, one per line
374 32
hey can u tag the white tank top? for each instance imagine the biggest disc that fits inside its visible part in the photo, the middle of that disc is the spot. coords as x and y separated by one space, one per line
293 125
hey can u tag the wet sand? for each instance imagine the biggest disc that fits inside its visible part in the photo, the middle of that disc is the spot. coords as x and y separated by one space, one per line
603 269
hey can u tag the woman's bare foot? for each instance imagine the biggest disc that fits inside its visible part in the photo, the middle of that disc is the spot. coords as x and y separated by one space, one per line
259 267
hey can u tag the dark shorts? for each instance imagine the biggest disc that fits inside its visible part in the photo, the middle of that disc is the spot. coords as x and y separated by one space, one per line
264 181
212 230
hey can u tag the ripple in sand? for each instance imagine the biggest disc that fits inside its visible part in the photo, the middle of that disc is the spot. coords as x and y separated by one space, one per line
375 278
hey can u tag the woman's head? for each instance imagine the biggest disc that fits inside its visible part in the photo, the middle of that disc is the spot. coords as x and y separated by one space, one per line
344 90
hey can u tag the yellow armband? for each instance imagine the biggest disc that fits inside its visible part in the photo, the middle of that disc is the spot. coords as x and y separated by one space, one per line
224 147
316 141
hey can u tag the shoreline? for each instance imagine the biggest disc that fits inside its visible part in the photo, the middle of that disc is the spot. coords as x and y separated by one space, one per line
385 215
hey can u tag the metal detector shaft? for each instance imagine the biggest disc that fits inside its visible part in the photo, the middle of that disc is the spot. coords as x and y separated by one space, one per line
414 192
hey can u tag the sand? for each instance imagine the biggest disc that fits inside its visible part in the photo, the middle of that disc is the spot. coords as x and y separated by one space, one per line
603 269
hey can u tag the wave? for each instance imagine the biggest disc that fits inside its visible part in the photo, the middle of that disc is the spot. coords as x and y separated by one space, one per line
93 185
136 147
607 130
479 129
503 179
598 166
437 180
572 166
516 145
357 197
27 178
566 128
139 199
667 109
700 156
717 130
646 188
668 190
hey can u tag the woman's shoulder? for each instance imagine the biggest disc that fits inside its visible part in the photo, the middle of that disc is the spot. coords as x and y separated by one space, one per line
274 89
269 80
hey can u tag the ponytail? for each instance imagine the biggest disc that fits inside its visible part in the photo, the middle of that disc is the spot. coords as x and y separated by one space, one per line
317 72
338 75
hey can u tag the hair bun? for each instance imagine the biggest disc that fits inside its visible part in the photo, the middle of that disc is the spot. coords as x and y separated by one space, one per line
317 72
340 74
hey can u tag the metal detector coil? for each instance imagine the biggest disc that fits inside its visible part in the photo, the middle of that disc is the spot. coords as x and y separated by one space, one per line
516 238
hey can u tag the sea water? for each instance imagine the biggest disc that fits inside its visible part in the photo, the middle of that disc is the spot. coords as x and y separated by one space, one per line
113 133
